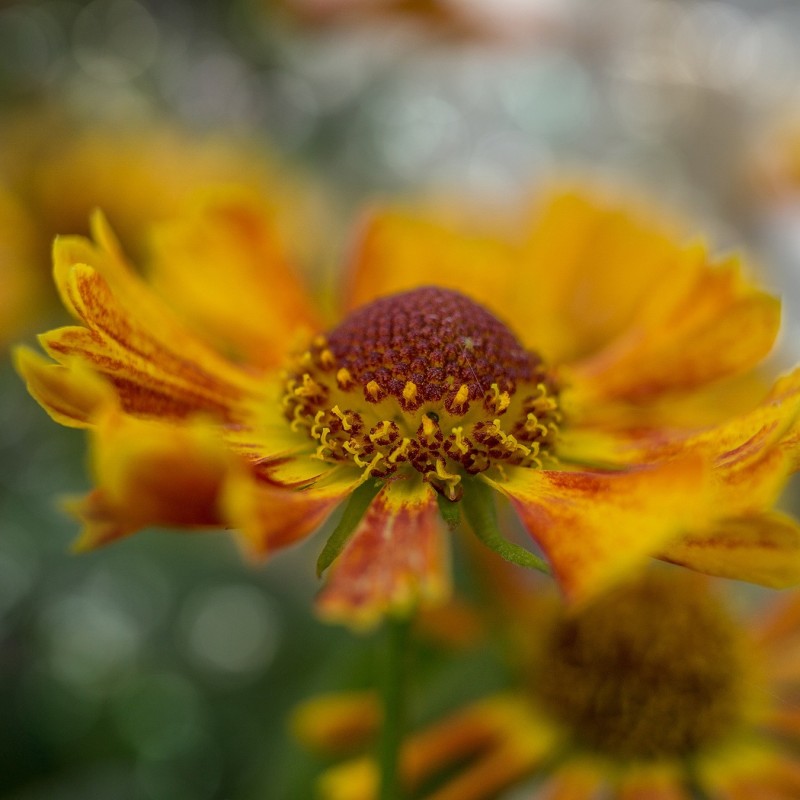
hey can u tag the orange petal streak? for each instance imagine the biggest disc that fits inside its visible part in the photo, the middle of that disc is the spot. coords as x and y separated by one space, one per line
594 527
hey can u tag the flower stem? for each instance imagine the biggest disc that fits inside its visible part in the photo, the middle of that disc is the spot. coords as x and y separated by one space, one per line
394 690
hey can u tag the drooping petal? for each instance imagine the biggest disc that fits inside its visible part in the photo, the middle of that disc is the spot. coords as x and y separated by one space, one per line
595 527
70 395
718 325
762 549
222 265
268 516
151 473
395 559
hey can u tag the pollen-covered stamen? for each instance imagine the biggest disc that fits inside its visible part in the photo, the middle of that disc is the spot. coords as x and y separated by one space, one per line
427 379
652 670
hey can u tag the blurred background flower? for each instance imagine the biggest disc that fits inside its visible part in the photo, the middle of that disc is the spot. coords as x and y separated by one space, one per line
164 668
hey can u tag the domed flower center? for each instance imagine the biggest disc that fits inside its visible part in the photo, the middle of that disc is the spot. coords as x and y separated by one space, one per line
655 669
425 380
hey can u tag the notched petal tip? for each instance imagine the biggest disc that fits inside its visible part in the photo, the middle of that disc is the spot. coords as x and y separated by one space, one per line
70 393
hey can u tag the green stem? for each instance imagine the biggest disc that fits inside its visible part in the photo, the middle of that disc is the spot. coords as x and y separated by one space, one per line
394 691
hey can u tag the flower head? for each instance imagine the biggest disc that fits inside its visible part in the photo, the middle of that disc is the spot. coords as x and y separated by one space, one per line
588 371
655 689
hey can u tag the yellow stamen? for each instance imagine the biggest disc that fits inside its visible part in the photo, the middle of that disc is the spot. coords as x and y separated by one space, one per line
344 379
399 451
373 390
343 417
410 392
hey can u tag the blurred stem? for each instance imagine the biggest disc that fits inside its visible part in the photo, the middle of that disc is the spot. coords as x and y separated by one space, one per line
394 711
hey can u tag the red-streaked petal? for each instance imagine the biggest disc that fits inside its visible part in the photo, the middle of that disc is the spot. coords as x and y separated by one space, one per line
595 527
762 549
395 559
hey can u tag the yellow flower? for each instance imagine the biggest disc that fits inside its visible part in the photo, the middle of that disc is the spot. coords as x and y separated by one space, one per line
655 691
604 405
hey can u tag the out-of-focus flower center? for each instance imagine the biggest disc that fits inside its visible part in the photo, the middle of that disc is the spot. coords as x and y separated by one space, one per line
652 670
426 380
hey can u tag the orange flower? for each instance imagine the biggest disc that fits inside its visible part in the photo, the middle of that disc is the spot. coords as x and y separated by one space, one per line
604 405
655 691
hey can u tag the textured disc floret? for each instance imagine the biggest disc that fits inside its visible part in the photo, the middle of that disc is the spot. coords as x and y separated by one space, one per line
649 671
428 379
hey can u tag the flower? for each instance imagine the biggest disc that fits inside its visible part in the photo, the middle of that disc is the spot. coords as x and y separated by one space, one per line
607 405
654 690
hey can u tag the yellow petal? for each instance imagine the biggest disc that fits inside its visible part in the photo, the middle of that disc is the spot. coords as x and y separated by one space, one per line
221 264
70 395
762 549
395 560
719 326
596 527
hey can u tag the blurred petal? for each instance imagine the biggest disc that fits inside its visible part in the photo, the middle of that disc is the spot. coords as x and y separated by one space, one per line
150 473
596 527
223 267
718 325
337 723
762 549
395 559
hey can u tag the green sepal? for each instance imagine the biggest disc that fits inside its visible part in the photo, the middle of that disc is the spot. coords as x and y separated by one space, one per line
450 512
480 511
356 507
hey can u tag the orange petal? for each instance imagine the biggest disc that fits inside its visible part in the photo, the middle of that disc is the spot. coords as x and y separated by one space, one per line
150 473
718 326
576 780
395 559
70 395
221 264
762 549
499 734
595 527
269 517
572 283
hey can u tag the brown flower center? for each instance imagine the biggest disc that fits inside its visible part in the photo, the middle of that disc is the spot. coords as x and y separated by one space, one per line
428 379
654 669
